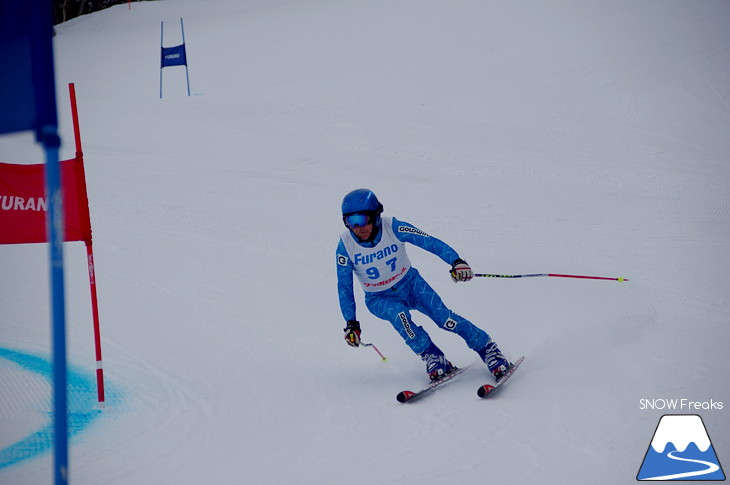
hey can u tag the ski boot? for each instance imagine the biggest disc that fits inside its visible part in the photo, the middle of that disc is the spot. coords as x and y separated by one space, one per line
495 360
436 364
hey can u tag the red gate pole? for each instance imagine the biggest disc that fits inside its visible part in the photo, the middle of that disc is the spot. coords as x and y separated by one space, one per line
89 256
97 333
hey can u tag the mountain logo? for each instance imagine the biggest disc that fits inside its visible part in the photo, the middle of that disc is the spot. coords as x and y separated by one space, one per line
680 450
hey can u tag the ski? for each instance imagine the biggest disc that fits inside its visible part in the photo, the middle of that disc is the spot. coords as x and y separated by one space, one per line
488 389
410 396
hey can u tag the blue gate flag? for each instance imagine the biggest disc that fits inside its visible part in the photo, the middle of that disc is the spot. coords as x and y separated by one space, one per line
174 56
27 90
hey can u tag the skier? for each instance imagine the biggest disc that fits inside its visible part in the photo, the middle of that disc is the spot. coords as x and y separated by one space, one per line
373 248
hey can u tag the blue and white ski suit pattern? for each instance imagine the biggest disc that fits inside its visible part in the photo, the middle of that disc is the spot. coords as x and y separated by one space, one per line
393 288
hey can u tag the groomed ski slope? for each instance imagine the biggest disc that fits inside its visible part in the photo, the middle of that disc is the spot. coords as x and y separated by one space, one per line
565 137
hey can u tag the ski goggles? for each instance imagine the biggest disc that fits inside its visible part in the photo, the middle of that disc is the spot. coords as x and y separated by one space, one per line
358 220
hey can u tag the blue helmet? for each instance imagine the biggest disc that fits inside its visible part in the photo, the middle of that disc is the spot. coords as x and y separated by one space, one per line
361 200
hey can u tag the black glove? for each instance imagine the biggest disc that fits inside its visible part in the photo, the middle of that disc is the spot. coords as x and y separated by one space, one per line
460 271
352 333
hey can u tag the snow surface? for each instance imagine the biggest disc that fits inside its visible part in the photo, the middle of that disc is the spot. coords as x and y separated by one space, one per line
580 137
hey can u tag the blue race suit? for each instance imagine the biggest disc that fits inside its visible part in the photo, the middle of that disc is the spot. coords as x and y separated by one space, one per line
393 288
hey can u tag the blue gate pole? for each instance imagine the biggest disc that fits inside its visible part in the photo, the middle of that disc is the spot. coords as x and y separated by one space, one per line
187 76
161 64
51 144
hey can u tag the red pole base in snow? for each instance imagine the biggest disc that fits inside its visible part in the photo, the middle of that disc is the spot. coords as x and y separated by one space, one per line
100 382
97 332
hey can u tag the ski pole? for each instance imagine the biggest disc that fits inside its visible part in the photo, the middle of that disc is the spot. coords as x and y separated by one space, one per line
364 344
619 279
